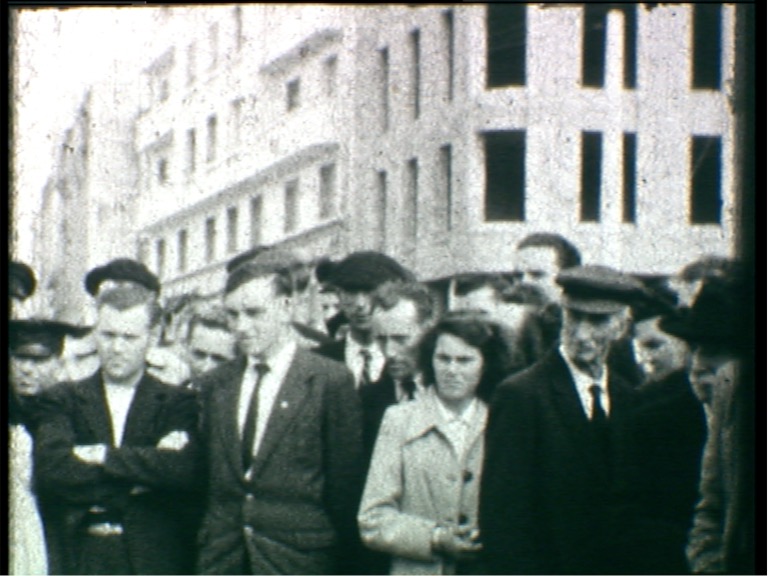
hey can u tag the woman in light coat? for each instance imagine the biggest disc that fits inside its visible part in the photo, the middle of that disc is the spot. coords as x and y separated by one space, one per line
421 496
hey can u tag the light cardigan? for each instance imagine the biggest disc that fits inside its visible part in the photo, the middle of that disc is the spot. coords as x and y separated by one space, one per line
416 480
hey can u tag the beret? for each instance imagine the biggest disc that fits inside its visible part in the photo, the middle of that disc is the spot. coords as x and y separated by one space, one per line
366 271
598 289
21 280
244 257
714 319
41 338
121 270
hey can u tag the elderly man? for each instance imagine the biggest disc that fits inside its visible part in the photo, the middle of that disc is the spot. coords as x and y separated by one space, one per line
115 454
283 439
209 342
545 504
354 278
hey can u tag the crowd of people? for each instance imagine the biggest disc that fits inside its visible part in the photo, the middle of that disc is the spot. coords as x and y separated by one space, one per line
561 418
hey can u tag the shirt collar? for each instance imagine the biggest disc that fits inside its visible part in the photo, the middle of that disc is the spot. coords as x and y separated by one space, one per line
466 417
582 379
278 361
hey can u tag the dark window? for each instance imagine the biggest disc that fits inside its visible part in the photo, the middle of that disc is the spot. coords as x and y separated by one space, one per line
162 170
330 66
291 205
292 93
210 239
238 27
594 43
591 163
446 175
182 250
506 25
449 51
191 150
630 177
160 250
211 152
380 209
505 175
707 43
231 229
416 72
411 203
327 190
706 200
384 87
256 221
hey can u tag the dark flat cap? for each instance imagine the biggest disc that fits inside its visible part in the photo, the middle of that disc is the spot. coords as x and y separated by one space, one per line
366 271
263 263
598 289
243 257
715 319
21 280
659 300
121 270
38 338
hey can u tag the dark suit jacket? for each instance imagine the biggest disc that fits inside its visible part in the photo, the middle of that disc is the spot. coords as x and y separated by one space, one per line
375 399
545 493
333 350
139 486
299 508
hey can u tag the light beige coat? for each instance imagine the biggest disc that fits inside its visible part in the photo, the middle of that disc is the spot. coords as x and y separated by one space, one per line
417 480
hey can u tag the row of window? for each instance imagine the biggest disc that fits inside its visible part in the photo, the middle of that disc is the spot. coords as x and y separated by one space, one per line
291 223
507 28
505 177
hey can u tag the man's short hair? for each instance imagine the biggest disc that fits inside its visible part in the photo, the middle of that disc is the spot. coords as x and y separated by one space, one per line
567 254
467 283
291 275
214 318
708 267
389 294
128 296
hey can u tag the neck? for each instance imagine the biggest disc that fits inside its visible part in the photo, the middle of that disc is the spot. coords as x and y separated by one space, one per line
362 337
594 370
457 407
128 382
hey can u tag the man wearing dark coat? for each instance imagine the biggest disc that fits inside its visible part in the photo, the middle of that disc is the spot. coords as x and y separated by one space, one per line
116 454
552 439
283 440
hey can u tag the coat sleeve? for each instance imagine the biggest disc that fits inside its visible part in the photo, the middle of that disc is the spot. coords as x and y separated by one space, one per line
508 509
383 525
705 548
57 471
160 468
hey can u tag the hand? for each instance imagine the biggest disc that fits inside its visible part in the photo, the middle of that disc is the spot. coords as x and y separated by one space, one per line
91 453
175 440
167 365
460 542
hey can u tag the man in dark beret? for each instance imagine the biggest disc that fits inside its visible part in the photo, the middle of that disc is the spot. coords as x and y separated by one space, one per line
119 271
355 278
283 432
545 504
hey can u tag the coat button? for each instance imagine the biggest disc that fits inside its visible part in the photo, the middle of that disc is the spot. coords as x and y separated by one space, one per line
248 529
463 519
468 476
250 497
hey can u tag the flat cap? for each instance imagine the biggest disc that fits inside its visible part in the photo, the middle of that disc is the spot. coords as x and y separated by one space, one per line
659 300
262 263
598 289
243 257
366 271
38 338
121 270
21 280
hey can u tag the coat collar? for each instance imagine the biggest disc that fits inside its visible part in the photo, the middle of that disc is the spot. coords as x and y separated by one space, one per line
425 415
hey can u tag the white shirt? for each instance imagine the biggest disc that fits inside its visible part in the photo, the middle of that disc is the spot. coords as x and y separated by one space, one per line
354 360
270 385
457 426
119 399
583 383
402 395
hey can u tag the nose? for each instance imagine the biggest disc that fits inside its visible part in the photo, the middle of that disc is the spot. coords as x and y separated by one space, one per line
389 349
582 330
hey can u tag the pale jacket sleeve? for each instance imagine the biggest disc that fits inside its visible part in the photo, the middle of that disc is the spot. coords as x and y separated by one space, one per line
383 524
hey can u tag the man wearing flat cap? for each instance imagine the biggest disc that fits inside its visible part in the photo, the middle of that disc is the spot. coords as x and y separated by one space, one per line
283 440
21 285
355 278
551 440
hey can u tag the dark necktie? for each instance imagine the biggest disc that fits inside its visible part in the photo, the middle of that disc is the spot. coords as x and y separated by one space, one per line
365 377
599 424
409 387
249 428
598 412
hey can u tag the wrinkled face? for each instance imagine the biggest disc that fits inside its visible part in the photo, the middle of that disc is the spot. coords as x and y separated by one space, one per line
357 308
711 371
208 348
587 336
539 266
80 358
123 338
33 369
659 354
458 368
257 316
484 298
397 332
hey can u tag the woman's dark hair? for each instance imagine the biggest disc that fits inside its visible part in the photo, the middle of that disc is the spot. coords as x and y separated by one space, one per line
476 329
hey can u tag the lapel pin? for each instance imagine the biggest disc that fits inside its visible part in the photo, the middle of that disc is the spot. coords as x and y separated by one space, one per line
283 404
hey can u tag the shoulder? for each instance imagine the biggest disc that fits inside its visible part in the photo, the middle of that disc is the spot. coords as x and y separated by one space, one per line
226 372
334 350
168 391
322 364
405 417
531 380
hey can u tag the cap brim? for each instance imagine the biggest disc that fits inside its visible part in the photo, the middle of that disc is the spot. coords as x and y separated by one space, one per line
592 306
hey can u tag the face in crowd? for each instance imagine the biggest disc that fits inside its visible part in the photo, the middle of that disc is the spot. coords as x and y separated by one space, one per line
658 354
398 332
538 266
587 336
80 358
713 370
258 316
356 306
123 338
458 368
209 347
33 369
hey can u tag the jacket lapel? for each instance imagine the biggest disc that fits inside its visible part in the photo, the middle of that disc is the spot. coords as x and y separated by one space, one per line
288 403
227 396
94 408
141 421
568 404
